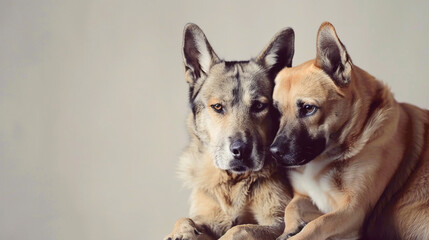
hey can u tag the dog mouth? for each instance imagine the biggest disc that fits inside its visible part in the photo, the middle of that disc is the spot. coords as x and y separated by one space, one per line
252 162
290 162
295 152
238 166
299 163
239 169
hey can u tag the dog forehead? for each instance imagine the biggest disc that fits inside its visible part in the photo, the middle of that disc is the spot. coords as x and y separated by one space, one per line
230 79
243 70
294 75
304 80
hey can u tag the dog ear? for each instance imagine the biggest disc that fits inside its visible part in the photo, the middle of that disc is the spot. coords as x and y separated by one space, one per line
279 52
332 55
198 55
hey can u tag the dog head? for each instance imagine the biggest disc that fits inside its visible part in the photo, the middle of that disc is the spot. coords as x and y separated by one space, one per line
314 101
231 101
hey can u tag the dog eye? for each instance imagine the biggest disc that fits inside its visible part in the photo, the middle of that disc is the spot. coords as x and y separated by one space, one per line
217 107
307 110
258 106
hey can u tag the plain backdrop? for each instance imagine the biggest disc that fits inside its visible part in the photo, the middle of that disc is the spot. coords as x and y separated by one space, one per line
93 99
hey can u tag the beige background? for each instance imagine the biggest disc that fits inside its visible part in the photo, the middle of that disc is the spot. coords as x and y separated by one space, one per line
93 99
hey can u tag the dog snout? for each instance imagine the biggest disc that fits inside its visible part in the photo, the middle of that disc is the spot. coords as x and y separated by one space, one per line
276 152
279 149
239 149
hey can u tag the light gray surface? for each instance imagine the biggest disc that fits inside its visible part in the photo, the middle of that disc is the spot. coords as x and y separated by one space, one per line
93 99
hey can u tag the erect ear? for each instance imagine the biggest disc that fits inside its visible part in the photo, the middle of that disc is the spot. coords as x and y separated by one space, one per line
198 55
332 55
279 52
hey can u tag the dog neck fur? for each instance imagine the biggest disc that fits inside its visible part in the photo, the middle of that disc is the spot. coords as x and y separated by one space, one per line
358 133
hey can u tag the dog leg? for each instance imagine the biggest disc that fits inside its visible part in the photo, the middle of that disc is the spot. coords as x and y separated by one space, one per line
187 229
343 223
253 232
208 220
298 213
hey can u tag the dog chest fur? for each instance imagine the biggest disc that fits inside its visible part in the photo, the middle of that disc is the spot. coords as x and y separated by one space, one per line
317 188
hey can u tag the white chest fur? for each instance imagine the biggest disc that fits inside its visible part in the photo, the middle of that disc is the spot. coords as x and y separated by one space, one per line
317 187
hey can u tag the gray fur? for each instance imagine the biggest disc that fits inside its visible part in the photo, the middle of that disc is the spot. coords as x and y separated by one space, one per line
238 86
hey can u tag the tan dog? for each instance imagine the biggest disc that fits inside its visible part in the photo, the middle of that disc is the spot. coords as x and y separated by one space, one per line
359 155
231 127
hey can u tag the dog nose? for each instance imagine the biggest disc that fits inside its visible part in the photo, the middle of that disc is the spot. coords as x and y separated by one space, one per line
276 152
238 149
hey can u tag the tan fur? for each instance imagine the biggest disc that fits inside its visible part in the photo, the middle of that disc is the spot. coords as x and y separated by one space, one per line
375 168
221 200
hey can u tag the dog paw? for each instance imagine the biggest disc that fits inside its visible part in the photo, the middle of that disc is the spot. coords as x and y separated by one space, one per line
184 229
238 233
287 235
284 236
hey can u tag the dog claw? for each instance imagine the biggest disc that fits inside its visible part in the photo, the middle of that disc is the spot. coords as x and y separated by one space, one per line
283 237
